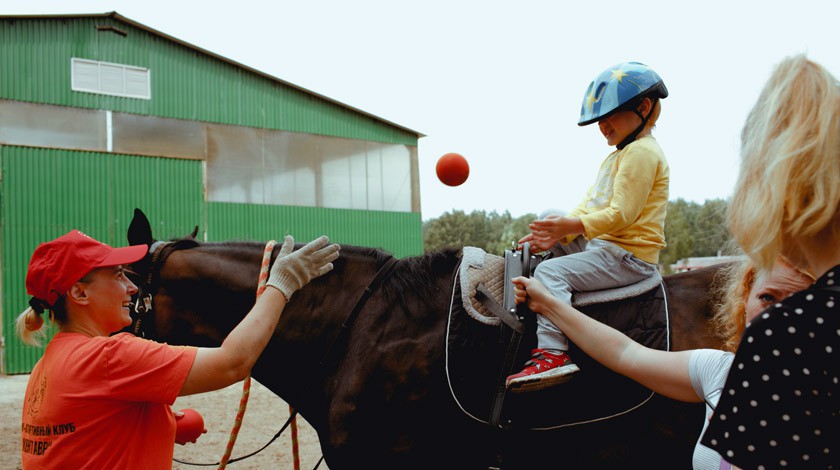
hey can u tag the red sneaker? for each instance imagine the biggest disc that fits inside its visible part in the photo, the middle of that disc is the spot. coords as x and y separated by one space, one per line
543 370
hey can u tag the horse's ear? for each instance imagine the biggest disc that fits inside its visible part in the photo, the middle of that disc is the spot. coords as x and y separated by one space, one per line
194 232
140 231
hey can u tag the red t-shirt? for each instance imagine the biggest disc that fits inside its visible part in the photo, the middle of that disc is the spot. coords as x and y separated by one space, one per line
103 402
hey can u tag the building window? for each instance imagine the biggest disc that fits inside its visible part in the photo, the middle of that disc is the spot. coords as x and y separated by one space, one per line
105 78
244 164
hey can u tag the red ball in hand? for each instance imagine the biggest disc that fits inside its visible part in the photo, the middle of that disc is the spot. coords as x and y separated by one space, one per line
189 426
452 169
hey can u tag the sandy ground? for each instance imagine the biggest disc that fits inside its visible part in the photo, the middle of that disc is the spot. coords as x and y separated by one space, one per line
265 415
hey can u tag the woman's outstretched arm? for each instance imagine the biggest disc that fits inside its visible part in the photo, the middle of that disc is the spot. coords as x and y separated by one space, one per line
663 372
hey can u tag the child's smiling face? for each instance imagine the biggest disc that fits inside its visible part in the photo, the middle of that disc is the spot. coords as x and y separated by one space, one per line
617 126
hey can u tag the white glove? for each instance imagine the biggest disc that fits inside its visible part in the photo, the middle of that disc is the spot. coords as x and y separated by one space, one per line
293 270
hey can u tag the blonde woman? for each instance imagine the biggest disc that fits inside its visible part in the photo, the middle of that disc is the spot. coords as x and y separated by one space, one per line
781 403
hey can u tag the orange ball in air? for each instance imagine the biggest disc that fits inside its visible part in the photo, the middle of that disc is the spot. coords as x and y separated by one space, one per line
189 426
452 169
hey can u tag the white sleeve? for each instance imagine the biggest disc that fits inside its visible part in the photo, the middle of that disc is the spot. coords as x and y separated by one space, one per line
707 369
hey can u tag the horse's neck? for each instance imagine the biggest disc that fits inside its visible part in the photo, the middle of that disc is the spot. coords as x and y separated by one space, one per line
346 308
314 330
203 292
692 299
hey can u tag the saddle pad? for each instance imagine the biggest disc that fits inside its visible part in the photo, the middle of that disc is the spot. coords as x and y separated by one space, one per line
582 299
479 267
475 353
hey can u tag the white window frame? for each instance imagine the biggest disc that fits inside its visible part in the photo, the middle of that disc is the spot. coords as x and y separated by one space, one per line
121 69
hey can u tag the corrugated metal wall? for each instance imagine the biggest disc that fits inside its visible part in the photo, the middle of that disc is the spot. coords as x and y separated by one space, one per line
35 58
46 193
396 232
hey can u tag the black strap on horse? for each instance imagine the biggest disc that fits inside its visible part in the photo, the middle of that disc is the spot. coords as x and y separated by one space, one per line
511 314
348 322
143 305
516 264
508 316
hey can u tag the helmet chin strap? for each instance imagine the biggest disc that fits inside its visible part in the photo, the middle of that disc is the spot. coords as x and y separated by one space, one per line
632 136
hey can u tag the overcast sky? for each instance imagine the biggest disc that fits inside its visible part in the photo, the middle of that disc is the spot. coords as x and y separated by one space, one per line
502 82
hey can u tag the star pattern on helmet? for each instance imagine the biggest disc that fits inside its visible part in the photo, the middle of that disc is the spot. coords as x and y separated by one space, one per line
591 99
618 74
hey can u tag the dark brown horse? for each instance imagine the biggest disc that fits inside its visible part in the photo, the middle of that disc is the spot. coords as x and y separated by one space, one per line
375 387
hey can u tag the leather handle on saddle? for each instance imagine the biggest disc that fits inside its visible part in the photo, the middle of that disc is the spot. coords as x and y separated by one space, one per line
509 318
526 259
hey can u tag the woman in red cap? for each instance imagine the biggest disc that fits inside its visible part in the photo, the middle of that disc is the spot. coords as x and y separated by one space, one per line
102 401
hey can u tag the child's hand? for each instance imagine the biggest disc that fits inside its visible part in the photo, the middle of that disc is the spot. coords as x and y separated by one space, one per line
544 234
526 239
538 242
550 230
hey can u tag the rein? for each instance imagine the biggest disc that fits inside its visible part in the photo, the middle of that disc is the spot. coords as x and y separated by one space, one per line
348 322
246 384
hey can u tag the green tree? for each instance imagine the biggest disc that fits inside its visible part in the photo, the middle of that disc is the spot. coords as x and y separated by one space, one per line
492 232
711 233
694 230
679 237
511 233
450 230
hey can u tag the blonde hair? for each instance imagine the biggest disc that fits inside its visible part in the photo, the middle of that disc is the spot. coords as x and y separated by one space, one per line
732 288
29 326
789 181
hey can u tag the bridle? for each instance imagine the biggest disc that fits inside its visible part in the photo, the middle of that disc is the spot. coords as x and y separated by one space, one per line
143 306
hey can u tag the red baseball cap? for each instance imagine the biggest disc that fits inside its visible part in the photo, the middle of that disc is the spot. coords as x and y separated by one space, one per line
57 265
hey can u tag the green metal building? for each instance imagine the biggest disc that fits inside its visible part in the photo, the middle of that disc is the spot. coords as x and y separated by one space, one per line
100 114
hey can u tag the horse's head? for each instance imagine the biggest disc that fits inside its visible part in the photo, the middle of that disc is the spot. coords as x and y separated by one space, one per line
145 272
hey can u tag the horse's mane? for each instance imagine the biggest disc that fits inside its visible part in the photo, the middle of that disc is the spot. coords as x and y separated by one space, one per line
184 243
414 272
418 272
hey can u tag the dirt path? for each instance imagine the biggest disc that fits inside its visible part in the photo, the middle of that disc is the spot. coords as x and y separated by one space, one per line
264 417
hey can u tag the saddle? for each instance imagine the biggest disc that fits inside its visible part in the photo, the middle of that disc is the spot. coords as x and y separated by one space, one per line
486 329
485 282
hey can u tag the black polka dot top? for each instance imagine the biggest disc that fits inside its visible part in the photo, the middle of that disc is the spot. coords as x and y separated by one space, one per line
780 407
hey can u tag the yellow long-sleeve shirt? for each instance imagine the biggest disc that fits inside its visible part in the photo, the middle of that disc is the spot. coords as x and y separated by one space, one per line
628 202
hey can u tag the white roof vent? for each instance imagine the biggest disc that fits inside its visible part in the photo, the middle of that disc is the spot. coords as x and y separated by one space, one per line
104 78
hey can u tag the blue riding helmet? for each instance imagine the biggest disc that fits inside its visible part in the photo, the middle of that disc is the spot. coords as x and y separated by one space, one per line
617 88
